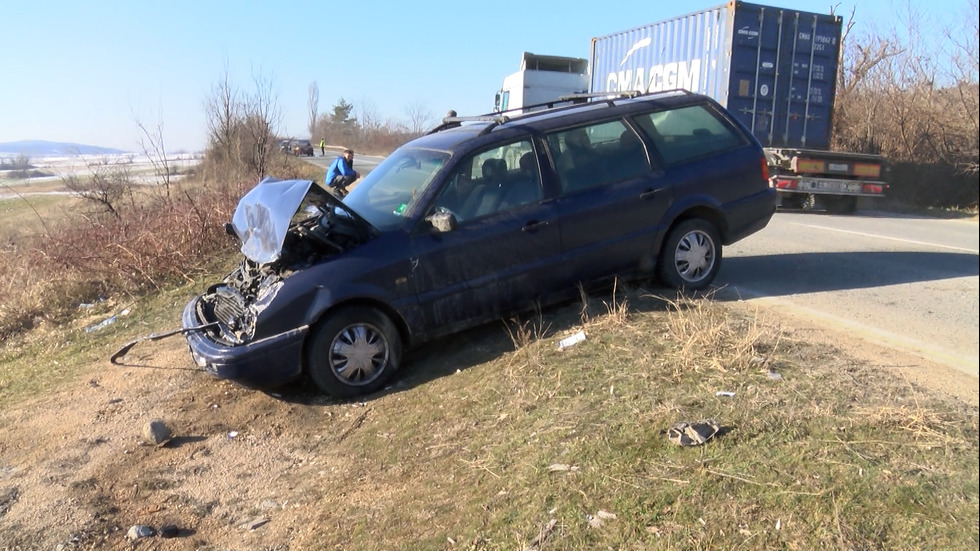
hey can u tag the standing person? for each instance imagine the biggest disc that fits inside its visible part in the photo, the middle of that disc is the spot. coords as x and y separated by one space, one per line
341 173
323 145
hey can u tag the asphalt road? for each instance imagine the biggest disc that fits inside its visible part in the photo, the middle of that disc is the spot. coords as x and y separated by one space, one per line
908 282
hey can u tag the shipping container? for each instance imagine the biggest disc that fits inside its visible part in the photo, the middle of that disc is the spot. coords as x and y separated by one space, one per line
774 68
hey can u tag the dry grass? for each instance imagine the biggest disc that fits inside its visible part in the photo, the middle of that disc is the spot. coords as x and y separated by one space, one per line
495 439
57 253
566 450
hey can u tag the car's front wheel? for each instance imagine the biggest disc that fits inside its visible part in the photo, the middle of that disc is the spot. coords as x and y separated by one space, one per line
353 351
691 255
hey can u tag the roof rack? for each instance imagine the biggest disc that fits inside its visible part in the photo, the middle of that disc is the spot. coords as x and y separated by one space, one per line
454 121
569 101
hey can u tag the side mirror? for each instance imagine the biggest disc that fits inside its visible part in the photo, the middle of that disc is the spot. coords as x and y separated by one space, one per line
443 221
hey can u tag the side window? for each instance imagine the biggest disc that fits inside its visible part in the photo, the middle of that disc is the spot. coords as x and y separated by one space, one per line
688 133
597 155
492 180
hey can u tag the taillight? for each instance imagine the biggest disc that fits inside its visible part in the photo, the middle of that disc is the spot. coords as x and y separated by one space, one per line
807 165
867 170
765 169
785 184
873 188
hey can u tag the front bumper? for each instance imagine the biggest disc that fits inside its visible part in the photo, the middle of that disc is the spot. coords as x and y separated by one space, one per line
267 362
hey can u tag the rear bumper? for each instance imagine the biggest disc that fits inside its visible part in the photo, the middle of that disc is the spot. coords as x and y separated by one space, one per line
749 215
264 363
819 185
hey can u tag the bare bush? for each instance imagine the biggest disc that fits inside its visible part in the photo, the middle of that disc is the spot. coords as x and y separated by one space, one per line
104 186
154 242
911 93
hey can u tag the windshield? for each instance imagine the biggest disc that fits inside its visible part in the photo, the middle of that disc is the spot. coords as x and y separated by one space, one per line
389 193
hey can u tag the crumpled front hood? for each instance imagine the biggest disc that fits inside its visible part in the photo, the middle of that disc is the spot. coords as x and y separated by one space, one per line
264 219
263 215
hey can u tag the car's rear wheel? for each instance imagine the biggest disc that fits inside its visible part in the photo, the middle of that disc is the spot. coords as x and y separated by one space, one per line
353 351
691 255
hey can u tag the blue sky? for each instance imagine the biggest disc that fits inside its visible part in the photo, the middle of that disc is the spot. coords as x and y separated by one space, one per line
85 72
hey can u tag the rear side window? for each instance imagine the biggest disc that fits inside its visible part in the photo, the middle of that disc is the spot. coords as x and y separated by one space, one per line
596 155
688 133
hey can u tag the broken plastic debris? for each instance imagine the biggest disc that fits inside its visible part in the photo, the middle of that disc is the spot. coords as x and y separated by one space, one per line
108 321
775 376
727 393
692 434
572 340
559 467
233 434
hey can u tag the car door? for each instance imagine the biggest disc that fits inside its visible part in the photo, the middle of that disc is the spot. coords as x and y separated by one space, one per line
500 257
612 200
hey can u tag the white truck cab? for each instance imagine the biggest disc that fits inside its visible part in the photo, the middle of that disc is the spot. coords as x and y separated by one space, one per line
541 79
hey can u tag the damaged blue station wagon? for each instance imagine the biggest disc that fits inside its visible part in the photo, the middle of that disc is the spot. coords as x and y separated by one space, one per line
480 218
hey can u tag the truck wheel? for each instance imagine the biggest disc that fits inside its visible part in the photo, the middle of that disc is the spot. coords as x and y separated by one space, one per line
353 351
691 256
809 202
841 204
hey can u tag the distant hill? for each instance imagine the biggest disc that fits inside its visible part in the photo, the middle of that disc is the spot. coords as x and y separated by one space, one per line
41 148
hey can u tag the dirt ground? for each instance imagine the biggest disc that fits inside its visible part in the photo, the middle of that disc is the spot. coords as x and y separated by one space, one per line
246 469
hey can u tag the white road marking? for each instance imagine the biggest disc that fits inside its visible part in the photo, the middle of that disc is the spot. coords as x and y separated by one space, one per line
890 238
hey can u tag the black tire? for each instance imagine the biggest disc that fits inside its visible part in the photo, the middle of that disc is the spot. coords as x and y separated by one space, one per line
810 203
691 256
353 351
801 201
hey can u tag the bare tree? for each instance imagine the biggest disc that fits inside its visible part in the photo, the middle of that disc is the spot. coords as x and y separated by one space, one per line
223 113
419 117
314 107
960 138
155 150
261 122
368 115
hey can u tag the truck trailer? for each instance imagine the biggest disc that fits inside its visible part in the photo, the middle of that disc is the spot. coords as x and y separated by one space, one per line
775 69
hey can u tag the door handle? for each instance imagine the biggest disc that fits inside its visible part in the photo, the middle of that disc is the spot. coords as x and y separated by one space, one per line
534 225
650 193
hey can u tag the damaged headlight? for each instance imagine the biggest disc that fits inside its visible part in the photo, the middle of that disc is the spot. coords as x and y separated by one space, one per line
237 311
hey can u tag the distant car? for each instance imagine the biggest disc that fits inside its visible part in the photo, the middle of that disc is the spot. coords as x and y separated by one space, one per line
302 147
480 218
285 146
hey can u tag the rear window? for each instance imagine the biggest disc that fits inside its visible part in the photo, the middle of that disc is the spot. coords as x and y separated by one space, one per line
597 155
688 133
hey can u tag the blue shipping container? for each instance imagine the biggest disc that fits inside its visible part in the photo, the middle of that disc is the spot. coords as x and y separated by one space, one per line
773 68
